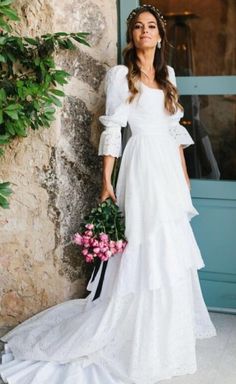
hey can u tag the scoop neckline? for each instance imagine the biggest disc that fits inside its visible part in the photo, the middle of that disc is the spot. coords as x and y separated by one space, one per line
153 89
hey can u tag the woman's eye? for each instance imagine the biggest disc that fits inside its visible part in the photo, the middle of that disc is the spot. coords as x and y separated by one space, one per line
137 26
152 26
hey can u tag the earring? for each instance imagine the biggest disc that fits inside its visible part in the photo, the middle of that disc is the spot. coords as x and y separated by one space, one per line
159 45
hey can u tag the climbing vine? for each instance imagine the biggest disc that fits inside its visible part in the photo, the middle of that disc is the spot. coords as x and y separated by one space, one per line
29 81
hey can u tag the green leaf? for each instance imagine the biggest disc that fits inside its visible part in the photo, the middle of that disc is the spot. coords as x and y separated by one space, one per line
81 40
31 41
57 92
4 25
3 95
3 202
1 116
70 45
5 188
61 34
55 101
10 129
11 57
1 152
13 107
5 2
5 191
2 40
12 114
11 13
4 139
50 110
2 59
20 130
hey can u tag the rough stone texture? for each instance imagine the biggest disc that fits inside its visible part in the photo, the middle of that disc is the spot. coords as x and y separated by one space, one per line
55 173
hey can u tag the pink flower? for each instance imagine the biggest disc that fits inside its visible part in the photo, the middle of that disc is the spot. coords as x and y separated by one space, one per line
95 243
78 239
89 233
108 253
112 243
96 250
89 258
113 250
103 236
85 252
89 226
119 244
86 239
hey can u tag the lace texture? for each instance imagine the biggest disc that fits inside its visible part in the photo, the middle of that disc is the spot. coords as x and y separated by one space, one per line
134 339
178 131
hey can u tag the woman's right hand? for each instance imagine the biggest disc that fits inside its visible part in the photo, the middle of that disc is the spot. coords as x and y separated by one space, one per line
107 191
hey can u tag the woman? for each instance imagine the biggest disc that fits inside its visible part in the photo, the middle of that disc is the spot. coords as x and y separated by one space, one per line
144 325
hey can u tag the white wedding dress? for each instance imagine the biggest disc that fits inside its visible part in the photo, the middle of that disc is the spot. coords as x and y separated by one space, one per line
143 327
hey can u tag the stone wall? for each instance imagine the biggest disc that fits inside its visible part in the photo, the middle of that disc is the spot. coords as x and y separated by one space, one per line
55 173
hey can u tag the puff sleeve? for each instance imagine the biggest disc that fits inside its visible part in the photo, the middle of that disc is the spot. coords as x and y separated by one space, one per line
178 131
116 115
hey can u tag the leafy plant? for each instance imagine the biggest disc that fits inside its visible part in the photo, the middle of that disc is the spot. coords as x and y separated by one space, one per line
5 191
29 81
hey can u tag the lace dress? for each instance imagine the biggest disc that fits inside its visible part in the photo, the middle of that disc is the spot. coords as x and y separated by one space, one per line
143 327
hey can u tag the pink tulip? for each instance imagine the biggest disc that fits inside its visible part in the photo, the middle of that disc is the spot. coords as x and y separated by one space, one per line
89 258
108 253
89 233
86 239
95 243
78 239
119 244
103 236
89 226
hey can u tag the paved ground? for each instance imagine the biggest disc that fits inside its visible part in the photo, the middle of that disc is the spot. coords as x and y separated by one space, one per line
216 356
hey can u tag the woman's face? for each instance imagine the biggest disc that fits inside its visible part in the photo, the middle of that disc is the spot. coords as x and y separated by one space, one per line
145 33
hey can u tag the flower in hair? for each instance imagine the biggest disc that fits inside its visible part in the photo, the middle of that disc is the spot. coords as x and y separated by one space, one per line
146 7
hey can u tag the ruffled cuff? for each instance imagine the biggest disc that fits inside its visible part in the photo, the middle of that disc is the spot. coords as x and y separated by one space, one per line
178 131
110 142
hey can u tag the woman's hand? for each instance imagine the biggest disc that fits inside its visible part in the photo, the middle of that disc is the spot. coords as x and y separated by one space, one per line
107 191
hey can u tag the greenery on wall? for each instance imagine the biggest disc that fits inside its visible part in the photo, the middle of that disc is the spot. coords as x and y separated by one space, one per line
29 81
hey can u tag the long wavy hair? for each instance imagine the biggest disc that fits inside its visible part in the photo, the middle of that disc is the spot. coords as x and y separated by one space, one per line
160 65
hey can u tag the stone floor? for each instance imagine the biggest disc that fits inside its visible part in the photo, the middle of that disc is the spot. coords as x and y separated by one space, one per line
216 356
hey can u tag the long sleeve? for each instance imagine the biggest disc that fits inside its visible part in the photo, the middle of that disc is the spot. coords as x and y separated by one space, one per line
117 108
178 131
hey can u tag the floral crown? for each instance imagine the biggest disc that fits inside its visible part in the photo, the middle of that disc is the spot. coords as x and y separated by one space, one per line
146 7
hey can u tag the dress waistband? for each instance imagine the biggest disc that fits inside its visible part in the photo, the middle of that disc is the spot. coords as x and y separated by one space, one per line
151 133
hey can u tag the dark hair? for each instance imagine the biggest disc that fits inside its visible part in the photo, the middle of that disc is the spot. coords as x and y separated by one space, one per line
159 63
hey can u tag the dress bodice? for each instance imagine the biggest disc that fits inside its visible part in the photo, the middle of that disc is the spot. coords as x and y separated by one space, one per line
146 114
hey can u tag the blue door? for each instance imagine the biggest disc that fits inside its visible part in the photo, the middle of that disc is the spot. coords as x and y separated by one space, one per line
203 55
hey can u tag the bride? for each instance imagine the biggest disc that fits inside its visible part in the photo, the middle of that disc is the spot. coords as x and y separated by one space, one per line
144 325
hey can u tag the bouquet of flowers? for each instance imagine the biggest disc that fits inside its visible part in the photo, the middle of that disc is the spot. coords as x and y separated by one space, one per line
102 233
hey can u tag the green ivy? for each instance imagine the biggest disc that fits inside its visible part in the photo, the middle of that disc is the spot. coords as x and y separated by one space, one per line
29 81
